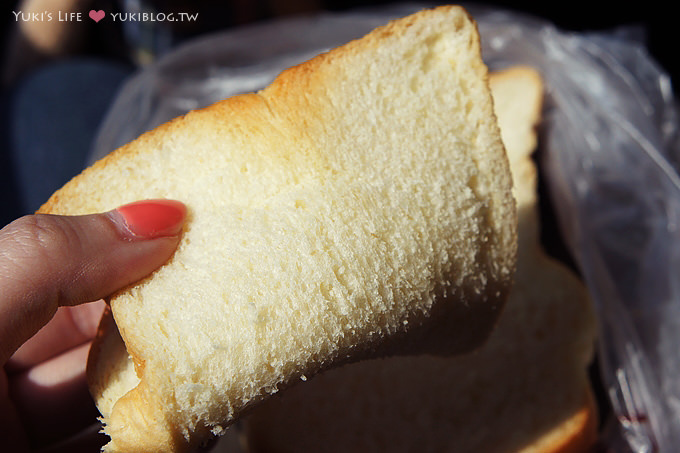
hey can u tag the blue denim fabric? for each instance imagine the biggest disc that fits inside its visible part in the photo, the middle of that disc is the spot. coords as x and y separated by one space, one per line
48 122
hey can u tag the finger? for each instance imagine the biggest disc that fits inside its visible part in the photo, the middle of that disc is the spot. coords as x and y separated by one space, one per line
56 391
70 327
48 261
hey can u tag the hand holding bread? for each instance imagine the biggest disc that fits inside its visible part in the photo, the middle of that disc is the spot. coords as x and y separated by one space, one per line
53 270
359 206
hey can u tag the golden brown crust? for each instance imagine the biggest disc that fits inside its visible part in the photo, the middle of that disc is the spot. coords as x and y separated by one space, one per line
265 114
576 434
544 404
99 359
579 432
106 364
584 434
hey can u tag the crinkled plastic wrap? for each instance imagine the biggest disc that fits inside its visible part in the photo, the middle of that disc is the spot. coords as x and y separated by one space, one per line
609 150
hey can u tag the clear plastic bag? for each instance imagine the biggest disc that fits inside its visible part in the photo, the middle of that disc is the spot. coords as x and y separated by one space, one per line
609 151
608 157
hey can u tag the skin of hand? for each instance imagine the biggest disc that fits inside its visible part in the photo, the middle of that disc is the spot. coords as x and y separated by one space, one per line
54 271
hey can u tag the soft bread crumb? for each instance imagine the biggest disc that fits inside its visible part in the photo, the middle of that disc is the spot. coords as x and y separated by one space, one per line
526 390
363 196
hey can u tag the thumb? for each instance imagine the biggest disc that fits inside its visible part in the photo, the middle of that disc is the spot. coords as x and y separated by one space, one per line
47 261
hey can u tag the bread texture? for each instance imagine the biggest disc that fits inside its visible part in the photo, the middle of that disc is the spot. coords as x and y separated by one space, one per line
358 206
525 390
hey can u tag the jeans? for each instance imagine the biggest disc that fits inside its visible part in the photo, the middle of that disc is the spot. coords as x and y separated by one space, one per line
48 122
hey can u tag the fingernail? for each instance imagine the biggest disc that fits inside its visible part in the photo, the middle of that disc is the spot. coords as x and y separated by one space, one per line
151 219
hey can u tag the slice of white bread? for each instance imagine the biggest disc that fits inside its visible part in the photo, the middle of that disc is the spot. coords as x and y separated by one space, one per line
526 390
363 196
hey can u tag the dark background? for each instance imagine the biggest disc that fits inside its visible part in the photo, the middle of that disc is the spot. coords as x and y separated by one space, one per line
103 40
655 16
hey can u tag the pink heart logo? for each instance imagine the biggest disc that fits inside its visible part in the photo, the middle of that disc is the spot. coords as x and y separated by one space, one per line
97 15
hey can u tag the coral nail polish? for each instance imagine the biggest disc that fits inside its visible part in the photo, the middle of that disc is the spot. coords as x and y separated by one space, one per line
149 219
